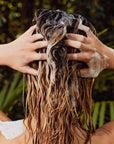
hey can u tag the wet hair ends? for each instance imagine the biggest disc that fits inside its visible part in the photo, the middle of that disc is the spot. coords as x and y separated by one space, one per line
58 95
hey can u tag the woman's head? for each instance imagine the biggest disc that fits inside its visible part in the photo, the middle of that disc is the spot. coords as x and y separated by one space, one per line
58 95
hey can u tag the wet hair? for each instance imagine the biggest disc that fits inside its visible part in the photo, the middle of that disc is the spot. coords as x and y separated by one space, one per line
58 94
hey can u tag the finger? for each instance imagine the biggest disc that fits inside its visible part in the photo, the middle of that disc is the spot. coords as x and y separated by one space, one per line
30 70
76 44
39 45
83 56
77 37
86 72
30 30
36 37
79 45
87 30
38 56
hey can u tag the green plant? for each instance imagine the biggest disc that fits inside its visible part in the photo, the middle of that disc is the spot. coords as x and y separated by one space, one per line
101 110
11 92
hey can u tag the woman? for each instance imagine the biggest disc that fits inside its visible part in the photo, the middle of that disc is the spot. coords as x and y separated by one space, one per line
59 100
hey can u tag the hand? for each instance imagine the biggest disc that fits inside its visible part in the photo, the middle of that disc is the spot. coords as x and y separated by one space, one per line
19 53
93 52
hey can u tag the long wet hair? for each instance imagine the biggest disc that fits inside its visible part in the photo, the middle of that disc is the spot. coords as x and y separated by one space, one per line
58 94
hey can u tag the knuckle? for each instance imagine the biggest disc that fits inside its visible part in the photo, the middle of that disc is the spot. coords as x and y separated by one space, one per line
83 38
88 29
36 45
40 45
80 45
40 56
34 37
77 56
88 57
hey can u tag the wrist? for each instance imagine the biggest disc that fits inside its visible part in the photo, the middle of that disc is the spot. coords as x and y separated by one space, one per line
3 52
109 52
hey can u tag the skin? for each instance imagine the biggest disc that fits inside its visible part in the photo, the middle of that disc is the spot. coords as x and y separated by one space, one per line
103 135
89 45
20 52
3 117
22 57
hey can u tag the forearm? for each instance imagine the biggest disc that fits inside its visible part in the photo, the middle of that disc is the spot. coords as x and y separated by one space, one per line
110 53
3 54
3 117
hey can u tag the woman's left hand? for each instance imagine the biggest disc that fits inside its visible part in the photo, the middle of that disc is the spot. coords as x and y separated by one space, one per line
93 52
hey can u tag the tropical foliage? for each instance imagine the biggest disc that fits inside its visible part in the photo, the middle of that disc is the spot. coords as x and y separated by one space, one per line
16 16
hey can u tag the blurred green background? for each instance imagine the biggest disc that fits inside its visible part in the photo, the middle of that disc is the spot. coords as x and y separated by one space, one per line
16 17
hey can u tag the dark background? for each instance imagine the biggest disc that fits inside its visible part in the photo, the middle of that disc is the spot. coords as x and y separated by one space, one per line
16 17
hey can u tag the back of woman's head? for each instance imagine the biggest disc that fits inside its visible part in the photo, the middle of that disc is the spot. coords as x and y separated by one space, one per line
58 96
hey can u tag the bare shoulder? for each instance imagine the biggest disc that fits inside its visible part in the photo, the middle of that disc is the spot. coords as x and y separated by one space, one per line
3 117
104 134
107 129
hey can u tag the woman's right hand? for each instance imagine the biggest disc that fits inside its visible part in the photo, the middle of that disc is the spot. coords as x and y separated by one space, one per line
20 52
93 52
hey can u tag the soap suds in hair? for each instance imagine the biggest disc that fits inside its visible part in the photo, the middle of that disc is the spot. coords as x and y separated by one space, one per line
96 65
80 23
